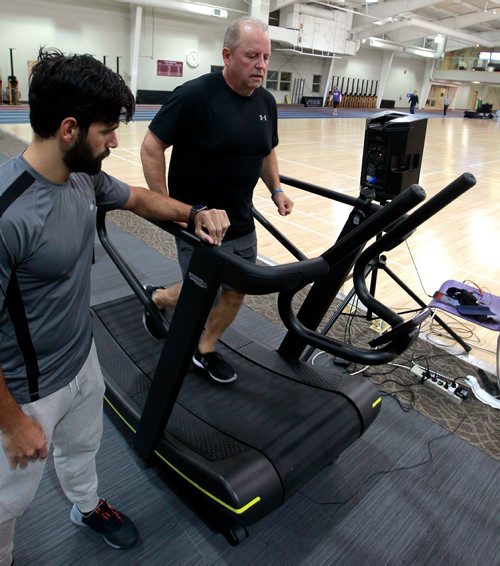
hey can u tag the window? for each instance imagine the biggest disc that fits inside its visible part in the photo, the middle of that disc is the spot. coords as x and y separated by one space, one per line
285 81
272 80
275 78
316 86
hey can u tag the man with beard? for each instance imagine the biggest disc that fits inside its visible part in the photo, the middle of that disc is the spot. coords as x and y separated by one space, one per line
223 129
51 386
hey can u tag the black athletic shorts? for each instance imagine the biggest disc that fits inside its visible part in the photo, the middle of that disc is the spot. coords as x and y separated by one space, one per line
245 247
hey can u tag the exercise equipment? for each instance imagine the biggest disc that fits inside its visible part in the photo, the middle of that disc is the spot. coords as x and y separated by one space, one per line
238 452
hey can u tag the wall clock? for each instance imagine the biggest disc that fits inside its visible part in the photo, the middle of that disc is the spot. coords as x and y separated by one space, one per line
193 58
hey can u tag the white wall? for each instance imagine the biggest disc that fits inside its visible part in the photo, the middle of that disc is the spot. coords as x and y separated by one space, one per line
99 28
365 65
170 36
405 76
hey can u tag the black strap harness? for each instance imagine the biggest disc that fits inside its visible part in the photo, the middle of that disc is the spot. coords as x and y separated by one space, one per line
13 296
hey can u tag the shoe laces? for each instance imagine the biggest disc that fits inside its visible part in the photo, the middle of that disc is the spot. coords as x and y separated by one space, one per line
105 512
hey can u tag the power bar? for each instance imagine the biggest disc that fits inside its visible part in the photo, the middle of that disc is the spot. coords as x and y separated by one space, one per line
440 384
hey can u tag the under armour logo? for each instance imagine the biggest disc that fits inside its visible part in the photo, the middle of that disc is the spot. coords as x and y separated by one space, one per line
263 118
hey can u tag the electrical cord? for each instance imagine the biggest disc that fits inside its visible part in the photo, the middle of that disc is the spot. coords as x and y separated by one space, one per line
429 458
359 370
416 269
392 394
316 355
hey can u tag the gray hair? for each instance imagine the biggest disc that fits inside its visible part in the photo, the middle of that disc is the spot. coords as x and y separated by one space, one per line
233 32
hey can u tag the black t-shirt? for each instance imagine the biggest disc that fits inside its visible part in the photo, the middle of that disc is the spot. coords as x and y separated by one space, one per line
219 140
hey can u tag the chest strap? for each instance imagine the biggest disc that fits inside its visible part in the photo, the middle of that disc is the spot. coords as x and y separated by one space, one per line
15 190
13 297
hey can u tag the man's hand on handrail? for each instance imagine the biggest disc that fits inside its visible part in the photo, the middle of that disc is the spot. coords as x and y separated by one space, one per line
211 225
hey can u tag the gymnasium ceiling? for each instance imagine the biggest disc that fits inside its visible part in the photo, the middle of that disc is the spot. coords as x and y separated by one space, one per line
460 23
464 23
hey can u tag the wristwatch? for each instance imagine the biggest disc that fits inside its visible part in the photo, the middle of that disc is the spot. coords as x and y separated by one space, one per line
193 212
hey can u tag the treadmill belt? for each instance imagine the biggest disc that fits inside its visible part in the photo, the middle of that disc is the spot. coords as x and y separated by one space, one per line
272 411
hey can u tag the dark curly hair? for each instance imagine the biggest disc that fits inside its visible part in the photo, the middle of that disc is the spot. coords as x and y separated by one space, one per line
79 86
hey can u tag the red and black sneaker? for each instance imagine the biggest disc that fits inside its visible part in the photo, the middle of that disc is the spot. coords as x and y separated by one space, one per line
116 529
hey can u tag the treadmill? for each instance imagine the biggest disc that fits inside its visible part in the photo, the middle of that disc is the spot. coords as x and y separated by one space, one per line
239 451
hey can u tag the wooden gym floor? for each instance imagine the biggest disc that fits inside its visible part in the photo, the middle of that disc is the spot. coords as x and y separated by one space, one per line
459 243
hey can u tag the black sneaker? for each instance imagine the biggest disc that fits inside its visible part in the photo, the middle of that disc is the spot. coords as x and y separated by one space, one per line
148 322
217 368
116 529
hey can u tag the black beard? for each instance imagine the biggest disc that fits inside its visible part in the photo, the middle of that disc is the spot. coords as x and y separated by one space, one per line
80 159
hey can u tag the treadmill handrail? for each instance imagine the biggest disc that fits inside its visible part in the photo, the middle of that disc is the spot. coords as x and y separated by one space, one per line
387 241
394 236
156 314
366 205
333 346
331 194
282 239
257 279
382 219
233 270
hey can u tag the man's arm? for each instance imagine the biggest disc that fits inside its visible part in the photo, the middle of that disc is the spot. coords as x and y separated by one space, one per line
271 177
153 163
23 437
210 225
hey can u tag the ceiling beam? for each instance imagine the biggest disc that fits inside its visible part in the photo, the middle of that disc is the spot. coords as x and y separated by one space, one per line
426 26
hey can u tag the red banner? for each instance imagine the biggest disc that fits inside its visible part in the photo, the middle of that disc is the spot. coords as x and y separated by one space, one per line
168 68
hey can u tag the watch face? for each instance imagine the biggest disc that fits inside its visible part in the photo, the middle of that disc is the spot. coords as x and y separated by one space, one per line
198 208
193 58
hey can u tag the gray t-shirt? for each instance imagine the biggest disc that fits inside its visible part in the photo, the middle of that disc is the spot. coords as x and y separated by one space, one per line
47 235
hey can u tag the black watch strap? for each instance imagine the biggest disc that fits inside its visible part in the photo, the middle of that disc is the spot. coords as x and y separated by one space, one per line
193 212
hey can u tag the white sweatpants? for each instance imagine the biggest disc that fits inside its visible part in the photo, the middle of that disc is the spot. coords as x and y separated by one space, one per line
72 421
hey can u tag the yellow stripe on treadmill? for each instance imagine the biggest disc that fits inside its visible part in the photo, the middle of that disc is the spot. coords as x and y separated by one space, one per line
176 470
120 415
208 494
375 403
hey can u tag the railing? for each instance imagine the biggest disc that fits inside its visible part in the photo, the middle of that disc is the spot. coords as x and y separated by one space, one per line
463 63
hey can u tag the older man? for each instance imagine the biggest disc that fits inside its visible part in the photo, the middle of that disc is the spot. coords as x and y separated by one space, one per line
223 129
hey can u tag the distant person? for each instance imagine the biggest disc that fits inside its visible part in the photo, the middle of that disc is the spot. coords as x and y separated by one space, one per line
413 100
51 385
446 104
335 99
223 131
